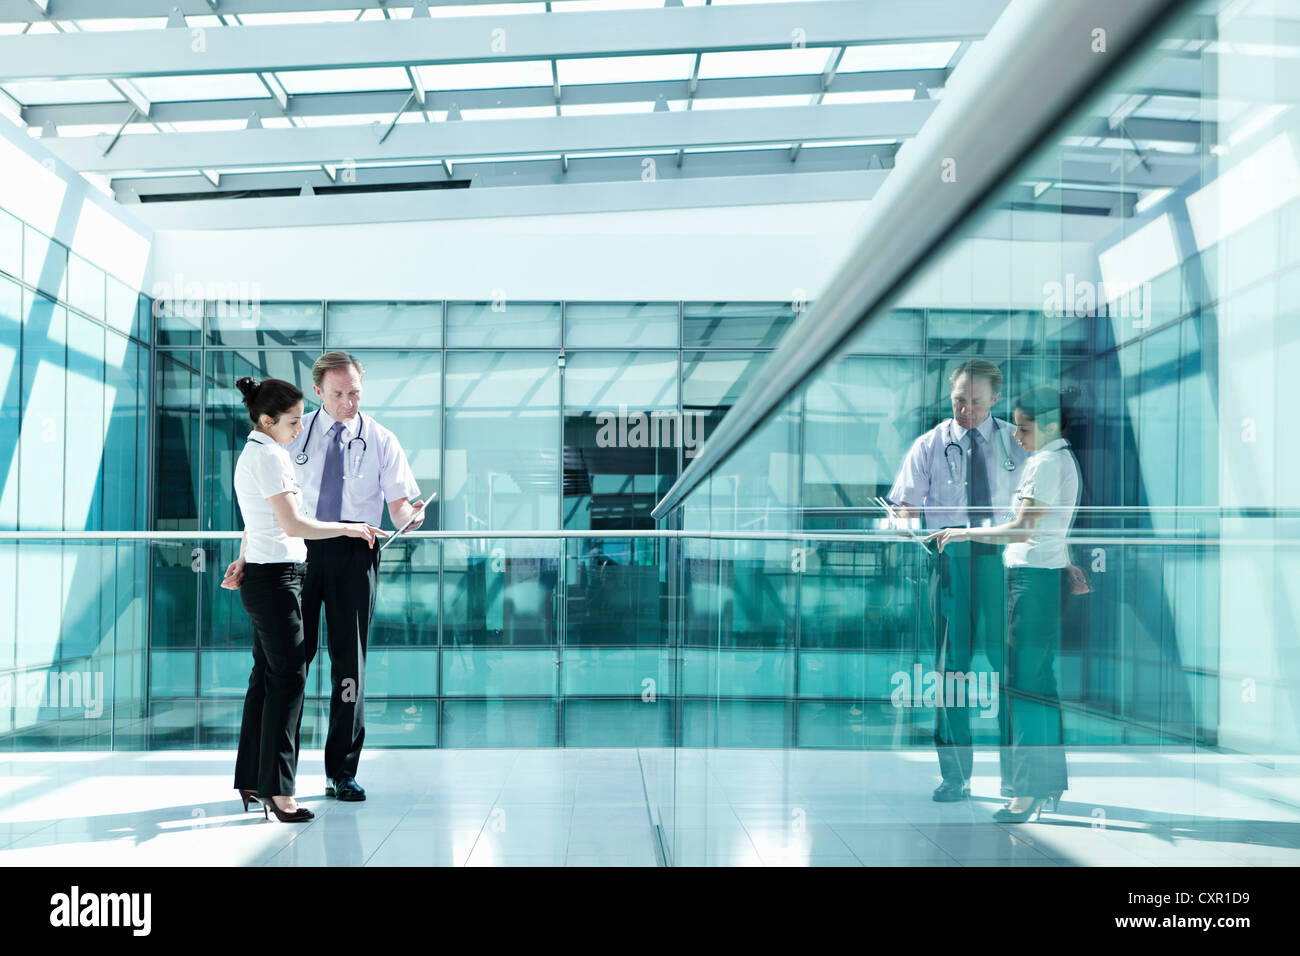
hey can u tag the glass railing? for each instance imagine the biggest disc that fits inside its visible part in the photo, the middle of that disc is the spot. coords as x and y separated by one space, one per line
518 639
809 682
1129 255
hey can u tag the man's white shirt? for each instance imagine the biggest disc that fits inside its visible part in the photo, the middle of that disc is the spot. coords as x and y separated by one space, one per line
385 473
926 478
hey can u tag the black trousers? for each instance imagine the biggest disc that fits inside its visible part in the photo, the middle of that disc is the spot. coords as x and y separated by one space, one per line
267 760
342 575
1033 639
970 603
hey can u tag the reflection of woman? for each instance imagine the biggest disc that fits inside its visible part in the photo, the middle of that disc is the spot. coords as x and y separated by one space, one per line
271 592
1036 557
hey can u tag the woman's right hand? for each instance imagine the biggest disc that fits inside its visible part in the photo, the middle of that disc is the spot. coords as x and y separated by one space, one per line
366 531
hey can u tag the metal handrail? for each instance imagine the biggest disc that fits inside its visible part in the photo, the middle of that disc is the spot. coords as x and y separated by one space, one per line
1175 536
1024 82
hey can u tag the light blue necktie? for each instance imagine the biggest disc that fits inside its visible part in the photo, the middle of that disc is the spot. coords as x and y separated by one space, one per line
329 506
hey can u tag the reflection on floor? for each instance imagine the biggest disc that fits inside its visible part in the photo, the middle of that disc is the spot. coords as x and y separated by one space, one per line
589 808
1129 807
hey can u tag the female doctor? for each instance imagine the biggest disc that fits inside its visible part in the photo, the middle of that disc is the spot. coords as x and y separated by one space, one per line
275 553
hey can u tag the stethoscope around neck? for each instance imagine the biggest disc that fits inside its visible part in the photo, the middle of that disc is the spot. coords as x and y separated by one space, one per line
302 458
956 469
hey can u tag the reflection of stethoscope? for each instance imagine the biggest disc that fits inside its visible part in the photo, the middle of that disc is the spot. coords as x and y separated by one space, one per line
355 470
956 468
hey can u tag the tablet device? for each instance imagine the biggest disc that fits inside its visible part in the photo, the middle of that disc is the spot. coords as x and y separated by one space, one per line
396 534
911 532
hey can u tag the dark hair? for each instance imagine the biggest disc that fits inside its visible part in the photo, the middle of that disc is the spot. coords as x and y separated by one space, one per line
272 396
1046 406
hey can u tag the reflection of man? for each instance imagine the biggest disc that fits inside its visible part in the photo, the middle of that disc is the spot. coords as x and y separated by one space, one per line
348 465
963 473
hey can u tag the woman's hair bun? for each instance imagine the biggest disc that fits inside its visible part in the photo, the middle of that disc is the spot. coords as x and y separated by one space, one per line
248 387
270 396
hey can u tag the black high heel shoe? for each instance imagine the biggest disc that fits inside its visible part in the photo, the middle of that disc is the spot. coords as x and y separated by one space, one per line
1007 815
301 815
248 796
1053 801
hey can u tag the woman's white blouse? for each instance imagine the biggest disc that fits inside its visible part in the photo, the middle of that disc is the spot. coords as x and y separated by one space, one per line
1051 478
262 472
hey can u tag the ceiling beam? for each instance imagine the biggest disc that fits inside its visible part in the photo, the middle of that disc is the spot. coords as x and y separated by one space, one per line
20 11
504 137
538 36
389 101
565 199
520 172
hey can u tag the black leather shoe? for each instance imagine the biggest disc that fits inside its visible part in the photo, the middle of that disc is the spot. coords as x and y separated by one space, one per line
949 792
344 788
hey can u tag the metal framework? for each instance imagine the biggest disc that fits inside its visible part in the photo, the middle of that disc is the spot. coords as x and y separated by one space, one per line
350 103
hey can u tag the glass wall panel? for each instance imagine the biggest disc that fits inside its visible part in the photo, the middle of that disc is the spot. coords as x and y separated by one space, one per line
178 322
360 325
11 245
45 264
712 382
243 320
499 592
620 325
85 429
42 443
86 287
735 324
126 310
616 590
403 392
622 432
503 442
11 325
502 325
179 401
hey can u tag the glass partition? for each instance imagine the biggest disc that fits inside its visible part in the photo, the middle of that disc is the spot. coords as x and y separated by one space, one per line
1105 341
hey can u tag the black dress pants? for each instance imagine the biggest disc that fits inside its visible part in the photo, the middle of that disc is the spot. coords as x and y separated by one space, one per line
1033 640
267 760
342 575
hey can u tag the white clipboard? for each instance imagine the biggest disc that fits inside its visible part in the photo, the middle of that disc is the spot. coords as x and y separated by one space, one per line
911 532
396 534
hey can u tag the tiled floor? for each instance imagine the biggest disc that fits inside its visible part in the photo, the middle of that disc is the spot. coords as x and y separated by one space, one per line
1132 807
589 808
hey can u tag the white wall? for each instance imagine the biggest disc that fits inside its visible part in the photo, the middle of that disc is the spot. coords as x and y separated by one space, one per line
51 197
752 252
724 253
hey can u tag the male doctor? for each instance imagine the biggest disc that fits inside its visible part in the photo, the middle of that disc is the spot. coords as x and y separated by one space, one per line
347 465
963 473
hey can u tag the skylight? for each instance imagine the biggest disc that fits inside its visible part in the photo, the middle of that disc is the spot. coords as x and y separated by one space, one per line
625 69
307 16
870 96
33 92
897 56
762 63
605 109
751 102
472 76
202 86
516 112
341 81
